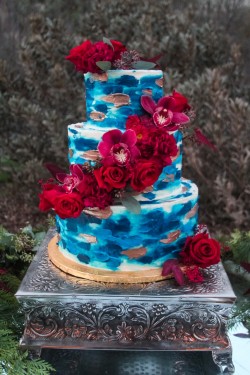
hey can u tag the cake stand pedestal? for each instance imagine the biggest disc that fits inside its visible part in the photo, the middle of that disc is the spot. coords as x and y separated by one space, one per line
66 312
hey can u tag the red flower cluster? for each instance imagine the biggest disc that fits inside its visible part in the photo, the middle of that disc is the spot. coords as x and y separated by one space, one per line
133 159
152 142
199 251
71 203
86 55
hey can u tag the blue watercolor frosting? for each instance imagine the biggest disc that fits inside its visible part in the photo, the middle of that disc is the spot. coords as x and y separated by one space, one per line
158 233
125 241
110 100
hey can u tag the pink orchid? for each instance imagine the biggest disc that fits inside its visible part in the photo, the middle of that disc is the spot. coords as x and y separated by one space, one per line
118 148
72 180
168 111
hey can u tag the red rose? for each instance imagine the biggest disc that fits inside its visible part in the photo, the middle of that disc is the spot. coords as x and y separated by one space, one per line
201 251
113 177
48 196
102 199
77 55
86 55
68 205
165 146
118 49
88 185
145 173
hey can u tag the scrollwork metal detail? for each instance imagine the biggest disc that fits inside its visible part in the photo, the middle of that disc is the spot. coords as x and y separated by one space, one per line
127 323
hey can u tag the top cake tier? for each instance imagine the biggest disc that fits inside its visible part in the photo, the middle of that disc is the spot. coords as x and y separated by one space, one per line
116 94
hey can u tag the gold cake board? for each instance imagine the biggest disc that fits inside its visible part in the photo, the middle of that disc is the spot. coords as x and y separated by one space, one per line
96 274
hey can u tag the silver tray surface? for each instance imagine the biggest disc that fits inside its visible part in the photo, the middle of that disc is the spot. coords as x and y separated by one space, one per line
43 279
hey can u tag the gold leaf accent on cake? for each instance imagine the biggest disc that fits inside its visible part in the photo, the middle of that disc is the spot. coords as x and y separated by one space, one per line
96 212
71 152
173 158
159 82
97 116
192 212
117 99
88 237
148 189
102 77
147 92
135 253
92 155
171 237
169 178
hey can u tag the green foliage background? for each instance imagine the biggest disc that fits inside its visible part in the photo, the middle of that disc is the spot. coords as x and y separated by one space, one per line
205 53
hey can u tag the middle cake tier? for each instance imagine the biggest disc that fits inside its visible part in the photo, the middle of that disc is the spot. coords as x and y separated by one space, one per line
83 139
117 240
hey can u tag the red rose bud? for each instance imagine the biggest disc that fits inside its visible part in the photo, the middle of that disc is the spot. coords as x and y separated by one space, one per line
201 251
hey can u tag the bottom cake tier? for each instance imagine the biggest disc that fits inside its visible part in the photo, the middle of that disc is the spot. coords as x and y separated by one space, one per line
116 245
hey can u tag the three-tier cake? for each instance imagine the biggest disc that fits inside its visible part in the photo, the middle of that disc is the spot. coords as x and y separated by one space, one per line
124 209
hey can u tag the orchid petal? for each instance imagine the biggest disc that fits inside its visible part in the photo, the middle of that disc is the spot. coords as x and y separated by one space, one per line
135 153
167 266
108 161
180 118
53 169
148 104
129 137
166 102
61 177
178 275
181 102
104 148
112 137
160 120
201 138
77 171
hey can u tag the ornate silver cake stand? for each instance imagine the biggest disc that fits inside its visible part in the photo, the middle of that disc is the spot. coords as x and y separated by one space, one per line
66 312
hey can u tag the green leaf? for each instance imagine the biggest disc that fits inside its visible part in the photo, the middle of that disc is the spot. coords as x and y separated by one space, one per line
104 65
132 205
108 41
28 230
39 236
143 65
